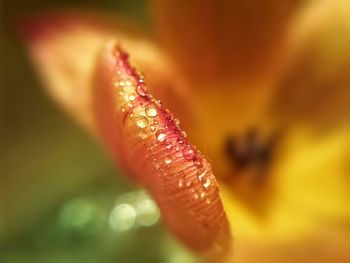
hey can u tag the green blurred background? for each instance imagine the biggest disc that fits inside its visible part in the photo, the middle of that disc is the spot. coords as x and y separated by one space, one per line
61 198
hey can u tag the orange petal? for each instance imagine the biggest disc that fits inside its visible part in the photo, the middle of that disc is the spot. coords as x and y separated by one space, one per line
224 40
64 47
315 90
146 140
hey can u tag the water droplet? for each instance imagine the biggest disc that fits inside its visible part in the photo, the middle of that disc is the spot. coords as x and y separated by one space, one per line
203 194
188 153
208 201
132 97
207 183
121 83
169 117
161 135
181 183
128 83
201 174
189 184
195 196
167 160
198 161
169 146
141 90
151 110
209 167
153 127
142 122
142 135
159 103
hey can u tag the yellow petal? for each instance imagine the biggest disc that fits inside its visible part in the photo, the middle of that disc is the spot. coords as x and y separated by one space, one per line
309 204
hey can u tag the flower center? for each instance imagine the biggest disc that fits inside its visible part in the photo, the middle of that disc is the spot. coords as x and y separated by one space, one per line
251 149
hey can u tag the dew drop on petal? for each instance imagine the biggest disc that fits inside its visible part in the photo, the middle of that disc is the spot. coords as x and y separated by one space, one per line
132 97
188 153
151 110
142 122
198 161
161 135
141 90
181 183
167 160
169 117
129 104
169 146
128 83
201 174
207 183
121 83
142 135
159 103
153 127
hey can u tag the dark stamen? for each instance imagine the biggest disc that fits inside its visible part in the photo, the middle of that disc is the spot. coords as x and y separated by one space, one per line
250 149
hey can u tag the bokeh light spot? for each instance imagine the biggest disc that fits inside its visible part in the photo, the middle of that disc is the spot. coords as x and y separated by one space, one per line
122 217
147 213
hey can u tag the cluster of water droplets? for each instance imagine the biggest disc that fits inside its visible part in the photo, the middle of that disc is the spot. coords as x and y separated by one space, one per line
170 153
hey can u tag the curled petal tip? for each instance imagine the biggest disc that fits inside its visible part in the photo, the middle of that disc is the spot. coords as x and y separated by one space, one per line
148 142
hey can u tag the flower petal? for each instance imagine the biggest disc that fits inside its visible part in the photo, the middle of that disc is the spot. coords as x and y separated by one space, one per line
315 89
147 141
224 40
309 203
64 47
